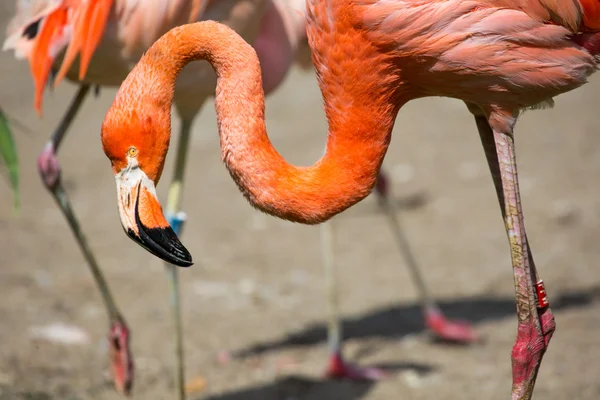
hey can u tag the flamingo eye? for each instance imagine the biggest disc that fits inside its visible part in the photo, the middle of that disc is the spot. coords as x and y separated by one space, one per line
132 152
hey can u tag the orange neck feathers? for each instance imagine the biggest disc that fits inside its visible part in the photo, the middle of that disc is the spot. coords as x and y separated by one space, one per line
360 115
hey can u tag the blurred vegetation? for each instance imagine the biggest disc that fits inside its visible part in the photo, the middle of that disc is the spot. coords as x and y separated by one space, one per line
9 160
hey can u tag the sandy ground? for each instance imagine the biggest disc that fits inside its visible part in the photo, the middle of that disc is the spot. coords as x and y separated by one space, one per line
257 289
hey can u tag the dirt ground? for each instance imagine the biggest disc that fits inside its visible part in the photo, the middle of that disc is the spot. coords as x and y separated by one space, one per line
257 289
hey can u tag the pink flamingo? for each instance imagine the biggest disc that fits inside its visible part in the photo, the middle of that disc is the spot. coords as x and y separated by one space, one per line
35 33
372 56
111 35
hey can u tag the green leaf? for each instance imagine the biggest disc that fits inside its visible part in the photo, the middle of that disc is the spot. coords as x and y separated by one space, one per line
9 157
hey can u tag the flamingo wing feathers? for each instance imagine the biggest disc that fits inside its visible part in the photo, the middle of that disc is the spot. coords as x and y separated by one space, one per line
576 15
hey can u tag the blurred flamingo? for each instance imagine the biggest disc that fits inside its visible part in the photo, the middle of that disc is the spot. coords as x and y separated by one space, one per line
111 35
36 33
498 56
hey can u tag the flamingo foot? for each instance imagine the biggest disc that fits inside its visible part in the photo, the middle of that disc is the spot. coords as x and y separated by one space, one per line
527 353
120 356
340 369
445 329
49 167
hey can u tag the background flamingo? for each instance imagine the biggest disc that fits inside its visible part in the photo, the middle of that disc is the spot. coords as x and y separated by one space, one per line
111 36
32 16
497 56
440 326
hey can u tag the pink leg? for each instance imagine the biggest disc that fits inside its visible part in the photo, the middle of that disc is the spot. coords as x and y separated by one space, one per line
49 169
443 328
337 367
535 319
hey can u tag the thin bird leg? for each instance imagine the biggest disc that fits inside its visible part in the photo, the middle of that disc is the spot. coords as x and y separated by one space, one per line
535 319
49 168
338 368
456 331
176 219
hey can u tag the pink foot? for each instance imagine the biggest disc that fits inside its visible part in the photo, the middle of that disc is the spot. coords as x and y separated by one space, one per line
120 357
339 369
528 351
453 331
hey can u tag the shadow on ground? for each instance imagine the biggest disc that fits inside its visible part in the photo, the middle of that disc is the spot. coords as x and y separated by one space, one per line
296 387
287 388
399 321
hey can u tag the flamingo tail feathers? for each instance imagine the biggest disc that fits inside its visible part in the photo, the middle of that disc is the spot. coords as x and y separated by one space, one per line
45 49
89 24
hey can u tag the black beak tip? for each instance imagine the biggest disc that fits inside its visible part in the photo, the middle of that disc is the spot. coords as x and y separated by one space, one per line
163 243
183 260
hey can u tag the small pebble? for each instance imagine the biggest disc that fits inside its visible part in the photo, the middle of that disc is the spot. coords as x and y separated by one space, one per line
59 332
196 385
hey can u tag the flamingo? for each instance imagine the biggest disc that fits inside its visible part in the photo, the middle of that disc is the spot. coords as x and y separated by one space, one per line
500 57
435 320
35 20
111 35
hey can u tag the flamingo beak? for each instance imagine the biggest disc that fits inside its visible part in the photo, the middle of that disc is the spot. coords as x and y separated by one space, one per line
143 220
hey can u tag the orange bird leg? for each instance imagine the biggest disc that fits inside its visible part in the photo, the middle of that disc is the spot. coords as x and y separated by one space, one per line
443 328
41 57
535 319
49 168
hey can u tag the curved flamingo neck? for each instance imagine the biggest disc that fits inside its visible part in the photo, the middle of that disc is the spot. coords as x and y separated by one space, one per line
357 141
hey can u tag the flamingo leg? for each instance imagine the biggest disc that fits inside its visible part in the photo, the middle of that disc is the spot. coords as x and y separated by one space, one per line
338 368
49 168
176 219
443 328
535 319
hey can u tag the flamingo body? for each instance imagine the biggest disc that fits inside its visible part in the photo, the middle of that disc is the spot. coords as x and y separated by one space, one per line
372 56
478 52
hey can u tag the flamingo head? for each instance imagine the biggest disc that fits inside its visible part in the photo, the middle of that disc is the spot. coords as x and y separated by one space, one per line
136 145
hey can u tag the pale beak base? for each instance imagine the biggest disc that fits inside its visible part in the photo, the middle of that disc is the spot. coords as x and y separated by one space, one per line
143 220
